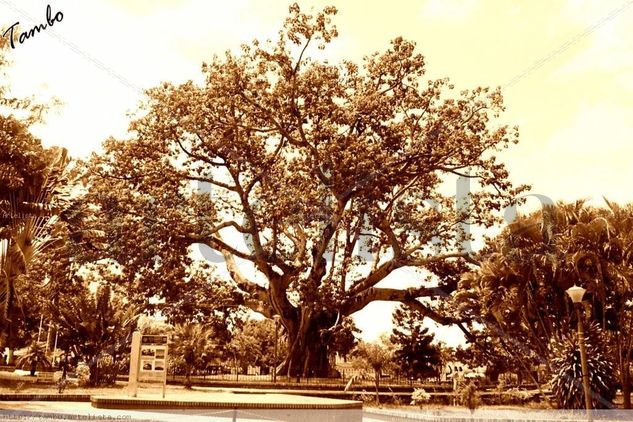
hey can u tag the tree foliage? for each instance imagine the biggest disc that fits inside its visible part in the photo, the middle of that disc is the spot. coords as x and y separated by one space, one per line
96 324
376 357
31 180
330 173
518 293
414 353
34 358
195 345
253 344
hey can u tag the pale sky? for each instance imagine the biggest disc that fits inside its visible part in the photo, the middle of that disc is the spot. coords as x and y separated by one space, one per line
566 68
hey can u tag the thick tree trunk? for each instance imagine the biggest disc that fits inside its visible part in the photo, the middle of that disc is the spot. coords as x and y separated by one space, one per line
306 359
308 350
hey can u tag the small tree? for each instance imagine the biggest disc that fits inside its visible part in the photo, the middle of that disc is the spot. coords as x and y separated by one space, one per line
193 343
377 356
34 359
244 349
414 353
468 396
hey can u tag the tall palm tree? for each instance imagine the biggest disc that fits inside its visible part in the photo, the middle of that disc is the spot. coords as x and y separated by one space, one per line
31 179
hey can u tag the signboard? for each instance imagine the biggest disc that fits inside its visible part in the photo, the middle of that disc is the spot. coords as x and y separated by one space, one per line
148 361
153 358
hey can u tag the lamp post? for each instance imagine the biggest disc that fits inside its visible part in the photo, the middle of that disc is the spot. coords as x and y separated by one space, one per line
576 293
276 317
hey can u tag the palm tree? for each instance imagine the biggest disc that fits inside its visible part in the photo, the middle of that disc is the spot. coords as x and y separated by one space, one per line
377 357
35 358
30 181
519 290
193 343
96 325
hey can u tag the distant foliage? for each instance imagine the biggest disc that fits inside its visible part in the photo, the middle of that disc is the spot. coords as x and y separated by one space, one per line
194 344
567 381
34 358
176 365
376 356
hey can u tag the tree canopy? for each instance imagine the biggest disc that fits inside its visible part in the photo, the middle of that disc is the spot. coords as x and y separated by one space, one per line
519 290
331 174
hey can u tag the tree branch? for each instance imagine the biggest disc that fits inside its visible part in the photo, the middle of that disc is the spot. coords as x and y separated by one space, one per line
388 267
255 296
358 302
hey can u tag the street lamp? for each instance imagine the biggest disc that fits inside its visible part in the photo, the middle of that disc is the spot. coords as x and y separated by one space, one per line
576 293
276 317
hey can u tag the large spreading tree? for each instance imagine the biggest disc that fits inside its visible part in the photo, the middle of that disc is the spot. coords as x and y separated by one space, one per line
334 175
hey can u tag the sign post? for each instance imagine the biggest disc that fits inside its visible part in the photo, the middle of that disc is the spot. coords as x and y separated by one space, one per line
134 364
148 361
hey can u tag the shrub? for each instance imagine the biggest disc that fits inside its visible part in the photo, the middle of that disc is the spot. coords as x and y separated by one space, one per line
567 384
512 396
420 396
83 374
467 396
108 370
176 365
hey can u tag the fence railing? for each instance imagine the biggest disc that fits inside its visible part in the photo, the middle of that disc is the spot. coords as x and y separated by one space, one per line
335 383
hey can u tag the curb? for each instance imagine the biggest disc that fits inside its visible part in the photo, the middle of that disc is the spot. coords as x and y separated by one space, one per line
45 397
138 403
